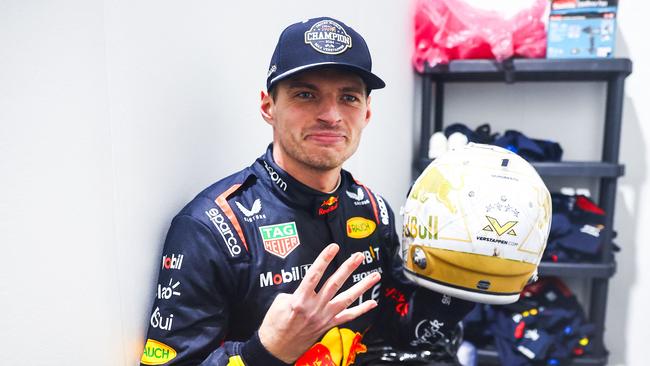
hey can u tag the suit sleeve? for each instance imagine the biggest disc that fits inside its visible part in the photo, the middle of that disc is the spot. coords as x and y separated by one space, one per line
190 316
413 316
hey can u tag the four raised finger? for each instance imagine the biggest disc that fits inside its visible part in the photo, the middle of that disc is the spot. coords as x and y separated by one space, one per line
316 270
347 297
352 313
337 280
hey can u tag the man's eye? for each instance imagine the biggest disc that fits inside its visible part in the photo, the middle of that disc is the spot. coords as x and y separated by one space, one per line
305 95
350 98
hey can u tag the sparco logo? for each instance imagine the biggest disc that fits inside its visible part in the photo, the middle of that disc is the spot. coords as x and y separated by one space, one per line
328 37
226 233
273 279
275 177
173 262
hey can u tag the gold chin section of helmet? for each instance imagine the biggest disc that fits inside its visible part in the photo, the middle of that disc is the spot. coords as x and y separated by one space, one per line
469 272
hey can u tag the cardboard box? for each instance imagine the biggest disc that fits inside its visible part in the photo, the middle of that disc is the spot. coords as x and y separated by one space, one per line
581 32
580 4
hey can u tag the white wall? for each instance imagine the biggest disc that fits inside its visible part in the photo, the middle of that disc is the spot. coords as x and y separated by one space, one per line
629 298
113 114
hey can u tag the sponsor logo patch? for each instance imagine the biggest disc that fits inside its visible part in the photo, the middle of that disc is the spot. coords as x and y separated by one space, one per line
280 239
372 294
446 299
371 255
401 305
427 332
166 292
358 197
414 228
293 274
339 346
328 37
272 69
226 232
329 205
383 211
360 227
157 353
161 322
360 276
172 262
252 214
275 177
495 227
499 229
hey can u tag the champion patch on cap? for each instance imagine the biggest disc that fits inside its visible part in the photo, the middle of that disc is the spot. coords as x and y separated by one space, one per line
328 37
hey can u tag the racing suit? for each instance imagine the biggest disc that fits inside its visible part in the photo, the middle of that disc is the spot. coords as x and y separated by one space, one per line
254 234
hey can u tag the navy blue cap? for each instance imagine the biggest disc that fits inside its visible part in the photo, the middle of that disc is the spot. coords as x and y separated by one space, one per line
321 42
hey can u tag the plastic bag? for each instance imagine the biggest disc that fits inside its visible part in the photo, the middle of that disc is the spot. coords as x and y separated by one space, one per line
454 29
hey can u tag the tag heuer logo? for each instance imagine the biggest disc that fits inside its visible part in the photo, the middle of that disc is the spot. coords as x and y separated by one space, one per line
328 37
280 239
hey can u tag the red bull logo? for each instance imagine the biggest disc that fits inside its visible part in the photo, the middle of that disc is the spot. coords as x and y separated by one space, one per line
339 347
328 205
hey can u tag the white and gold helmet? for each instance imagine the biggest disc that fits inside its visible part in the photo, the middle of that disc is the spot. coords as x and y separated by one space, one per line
476 223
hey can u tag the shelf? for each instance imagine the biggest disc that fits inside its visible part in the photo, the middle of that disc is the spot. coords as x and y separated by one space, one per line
579 169
491 357
565 168
531 70
613 73
590 270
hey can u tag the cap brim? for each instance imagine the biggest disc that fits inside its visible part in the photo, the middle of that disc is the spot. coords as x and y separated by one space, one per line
372 81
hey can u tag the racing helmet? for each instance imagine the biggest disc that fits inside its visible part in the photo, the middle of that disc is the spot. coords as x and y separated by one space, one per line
476 222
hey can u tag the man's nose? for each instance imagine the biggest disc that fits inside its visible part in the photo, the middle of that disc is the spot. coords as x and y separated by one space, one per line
329 111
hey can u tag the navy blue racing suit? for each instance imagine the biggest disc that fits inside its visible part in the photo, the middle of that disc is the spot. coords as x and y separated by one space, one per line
254 234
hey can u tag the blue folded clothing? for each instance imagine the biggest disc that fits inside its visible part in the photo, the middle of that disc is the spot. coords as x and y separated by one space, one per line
534 150
481 135
576 229
546 326
530 149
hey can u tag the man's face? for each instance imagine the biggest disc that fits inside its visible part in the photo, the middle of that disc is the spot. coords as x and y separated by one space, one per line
317 117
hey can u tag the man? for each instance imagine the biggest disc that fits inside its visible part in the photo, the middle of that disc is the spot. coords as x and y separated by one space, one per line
248 275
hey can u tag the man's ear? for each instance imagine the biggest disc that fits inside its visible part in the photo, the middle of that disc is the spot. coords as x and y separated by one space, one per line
266 107
368 110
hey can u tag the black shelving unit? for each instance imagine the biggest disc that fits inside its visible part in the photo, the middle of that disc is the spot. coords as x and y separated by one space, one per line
565 168
607 170
490 356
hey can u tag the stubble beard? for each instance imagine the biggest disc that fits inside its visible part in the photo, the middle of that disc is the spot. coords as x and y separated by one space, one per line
318 161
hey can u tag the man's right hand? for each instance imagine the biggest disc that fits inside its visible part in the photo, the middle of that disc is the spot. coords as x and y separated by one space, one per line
296 321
